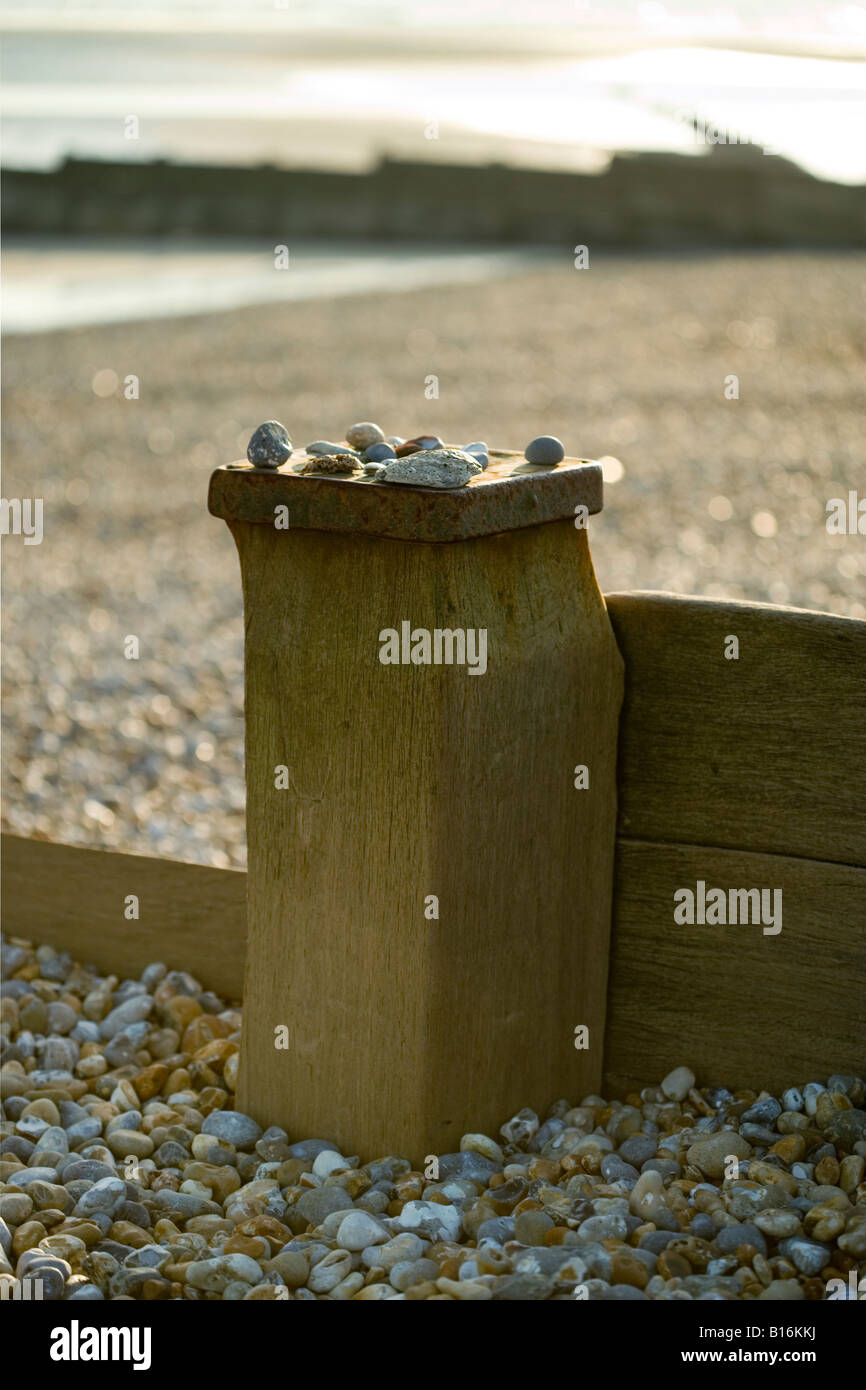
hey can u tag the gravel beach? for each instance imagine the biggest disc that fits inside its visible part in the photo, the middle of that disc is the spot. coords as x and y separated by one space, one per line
127 1173
627 361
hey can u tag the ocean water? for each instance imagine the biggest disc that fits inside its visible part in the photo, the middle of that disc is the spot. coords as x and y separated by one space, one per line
50 284
553 82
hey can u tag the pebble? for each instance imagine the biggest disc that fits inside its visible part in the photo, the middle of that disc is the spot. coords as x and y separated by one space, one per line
434 468
269 445
523 1288
479 451
330 1271
778 1223
854 1087
362 435
62 1018
615 1169
319 1202
419 443
358 1230
106 1195
811 1092
309 1149
824 1223
532 1227
647 1198
757 1134
329 1161
325 448
407 1273
740 1233
847 1127
782 1289
433 1219
340 463
853 1242
217 1273
809 1256
471 1165
546 449
637 1149
703 1226
712 1153
232 1127
377 453
521 1128
763 1112
677 1084
129 1012
126 1142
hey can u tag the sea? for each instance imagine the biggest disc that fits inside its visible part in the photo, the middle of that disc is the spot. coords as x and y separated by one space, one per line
560 84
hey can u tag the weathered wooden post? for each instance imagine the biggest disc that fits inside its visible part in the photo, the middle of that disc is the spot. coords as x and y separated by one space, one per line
430 877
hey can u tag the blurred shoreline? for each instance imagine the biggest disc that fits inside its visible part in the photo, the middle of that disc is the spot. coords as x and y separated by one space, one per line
53 283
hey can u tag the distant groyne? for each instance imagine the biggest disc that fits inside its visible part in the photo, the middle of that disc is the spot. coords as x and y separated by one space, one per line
732 196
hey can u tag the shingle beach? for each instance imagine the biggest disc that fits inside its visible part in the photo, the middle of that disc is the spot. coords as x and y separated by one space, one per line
127 1173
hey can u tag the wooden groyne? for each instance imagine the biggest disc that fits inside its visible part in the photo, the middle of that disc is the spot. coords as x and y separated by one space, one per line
727 196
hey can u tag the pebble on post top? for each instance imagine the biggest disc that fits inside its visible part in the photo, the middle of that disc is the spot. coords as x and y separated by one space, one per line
425 461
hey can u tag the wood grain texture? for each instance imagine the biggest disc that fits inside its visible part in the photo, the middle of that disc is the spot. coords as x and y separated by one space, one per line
765 753
739 1007
191 917
409 781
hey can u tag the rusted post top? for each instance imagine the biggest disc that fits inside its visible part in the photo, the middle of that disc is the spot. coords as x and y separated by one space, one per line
509 495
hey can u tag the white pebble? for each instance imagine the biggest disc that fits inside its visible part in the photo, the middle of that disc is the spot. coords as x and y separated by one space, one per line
521 1127
403 1247
358 1230
435 1219
329 1161
481 1144
811 1094
330 1271
678 1083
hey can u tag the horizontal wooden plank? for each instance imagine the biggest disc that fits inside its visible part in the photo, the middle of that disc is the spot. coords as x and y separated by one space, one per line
191 917
765 753
738 1006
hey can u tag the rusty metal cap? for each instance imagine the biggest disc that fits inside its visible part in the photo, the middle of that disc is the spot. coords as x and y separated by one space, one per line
507 496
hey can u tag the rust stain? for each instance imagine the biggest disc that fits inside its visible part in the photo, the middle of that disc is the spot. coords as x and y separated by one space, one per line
508 496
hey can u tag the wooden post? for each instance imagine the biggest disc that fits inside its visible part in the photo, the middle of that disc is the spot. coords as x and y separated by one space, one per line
429 892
